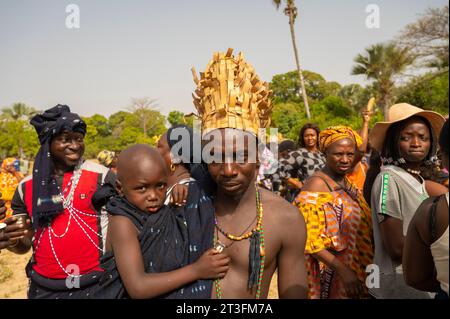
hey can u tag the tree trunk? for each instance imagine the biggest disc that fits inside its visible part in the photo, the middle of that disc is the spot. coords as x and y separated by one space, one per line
300 74
144 123
386 104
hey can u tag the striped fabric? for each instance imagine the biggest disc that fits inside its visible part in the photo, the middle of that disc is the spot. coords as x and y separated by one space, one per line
343 226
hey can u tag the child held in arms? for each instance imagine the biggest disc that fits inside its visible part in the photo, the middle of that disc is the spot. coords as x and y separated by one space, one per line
147 243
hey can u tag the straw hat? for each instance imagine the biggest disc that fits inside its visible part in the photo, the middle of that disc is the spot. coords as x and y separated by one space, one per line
400 112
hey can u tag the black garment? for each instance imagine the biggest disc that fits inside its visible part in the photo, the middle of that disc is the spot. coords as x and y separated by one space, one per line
46 203
169 239
200 173
46 288
183 137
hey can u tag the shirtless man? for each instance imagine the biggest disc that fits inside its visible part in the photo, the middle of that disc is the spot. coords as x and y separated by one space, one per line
229 95
236 213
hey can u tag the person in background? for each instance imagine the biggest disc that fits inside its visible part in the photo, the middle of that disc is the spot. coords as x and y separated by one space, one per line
10 178
284 148
358 173
278 187
405 142
339 243
425 253
303 162
108 159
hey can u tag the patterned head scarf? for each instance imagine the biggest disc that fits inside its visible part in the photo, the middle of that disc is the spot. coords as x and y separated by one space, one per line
8 182
7 161
106 157
46 199
335 133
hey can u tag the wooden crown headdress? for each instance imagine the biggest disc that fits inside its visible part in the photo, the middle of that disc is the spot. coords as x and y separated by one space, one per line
229 94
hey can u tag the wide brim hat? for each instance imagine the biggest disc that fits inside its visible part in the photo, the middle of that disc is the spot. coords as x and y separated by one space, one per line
400 112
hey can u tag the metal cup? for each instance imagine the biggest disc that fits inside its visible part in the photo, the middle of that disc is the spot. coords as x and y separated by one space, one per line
21 218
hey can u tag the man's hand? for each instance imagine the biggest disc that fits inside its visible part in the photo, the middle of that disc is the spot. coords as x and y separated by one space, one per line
15 230
2 208
4 240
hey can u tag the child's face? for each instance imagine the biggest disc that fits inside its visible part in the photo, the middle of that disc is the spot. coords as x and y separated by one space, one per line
144 186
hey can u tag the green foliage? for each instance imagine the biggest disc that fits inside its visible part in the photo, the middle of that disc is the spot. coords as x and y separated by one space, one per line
429 91
175 118
383 63
285 116
332 110
16 137
121 130
356 96
286 86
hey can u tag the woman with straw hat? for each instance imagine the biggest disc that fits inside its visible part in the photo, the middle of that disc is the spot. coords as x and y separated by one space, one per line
425 256
406 143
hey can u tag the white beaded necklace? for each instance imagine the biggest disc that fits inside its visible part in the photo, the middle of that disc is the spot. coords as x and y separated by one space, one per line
73 213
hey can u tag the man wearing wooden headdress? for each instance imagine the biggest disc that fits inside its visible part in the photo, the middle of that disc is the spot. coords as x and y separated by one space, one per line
233 104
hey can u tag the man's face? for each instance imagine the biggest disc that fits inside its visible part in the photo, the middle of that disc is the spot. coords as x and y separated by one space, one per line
67 148
234 165
415 141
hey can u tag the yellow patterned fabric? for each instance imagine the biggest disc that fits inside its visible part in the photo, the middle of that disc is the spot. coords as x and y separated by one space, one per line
229 94
336 133
343 226
105 157
8 184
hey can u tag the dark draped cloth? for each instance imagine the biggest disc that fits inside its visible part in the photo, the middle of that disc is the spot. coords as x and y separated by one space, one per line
170 239
46 200
176 135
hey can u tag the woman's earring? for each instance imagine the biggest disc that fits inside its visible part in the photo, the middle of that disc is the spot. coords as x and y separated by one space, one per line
173 167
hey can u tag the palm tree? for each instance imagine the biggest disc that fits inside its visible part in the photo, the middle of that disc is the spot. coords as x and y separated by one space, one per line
383 63
18 111
291 12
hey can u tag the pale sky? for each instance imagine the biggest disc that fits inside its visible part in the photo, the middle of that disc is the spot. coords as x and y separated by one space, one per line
136 48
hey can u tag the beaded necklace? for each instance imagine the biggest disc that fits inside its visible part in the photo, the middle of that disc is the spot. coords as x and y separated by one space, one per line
413 171
258 230
67 196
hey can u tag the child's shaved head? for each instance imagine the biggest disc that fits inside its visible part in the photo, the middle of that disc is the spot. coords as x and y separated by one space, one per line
142 177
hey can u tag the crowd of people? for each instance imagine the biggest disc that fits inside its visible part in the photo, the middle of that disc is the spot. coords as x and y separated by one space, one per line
157 222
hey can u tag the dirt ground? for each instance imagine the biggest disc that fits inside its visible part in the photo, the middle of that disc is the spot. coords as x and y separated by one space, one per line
14 283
